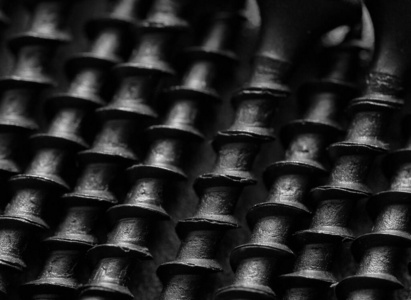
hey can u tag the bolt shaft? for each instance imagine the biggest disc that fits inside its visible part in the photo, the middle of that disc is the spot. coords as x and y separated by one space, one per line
365 140
112 150
289 181
29 77
171 142
48 172
255 107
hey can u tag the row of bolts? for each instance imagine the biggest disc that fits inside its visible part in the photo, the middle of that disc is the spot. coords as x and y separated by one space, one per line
291 182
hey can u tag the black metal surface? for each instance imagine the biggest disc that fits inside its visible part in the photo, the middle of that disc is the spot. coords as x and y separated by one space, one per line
112 149
282 41
111 34
142 225
54 150
382 250
257 263
365 140
33 50
171 141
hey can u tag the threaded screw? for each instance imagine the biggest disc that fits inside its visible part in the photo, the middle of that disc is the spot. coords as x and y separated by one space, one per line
29 77
365 140
54 150
255 106
290 180
112 149
127 241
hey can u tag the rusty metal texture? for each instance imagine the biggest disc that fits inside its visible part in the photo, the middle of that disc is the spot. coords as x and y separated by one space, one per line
54 151
112 151
381 251
287 28
170 146
257 263
365 140
97 159
33 50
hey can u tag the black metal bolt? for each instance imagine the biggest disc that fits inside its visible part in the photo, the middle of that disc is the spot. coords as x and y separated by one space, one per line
287 28
273 222
382 250
134 219
365 140
29 77
112 149
55 149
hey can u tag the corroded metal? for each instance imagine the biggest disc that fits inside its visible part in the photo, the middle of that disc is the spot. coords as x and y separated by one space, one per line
53 159
112 150
289 181
30 75
134 218
287 28
381 251
365 140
